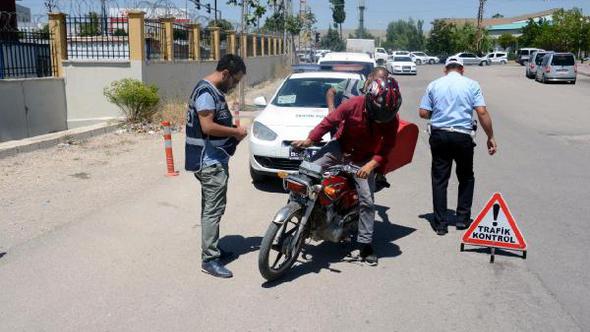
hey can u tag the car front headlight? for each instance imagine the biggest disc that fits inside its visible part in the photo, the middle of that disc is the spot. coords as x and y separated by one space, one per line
262 132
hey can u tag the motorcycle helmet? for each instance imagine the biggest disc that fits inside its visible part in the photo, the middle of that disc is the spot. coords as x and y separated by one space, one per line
383 100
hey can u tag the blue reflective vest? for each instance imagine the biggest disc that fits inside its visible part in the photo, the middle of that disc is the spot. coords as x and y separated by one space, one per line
195 139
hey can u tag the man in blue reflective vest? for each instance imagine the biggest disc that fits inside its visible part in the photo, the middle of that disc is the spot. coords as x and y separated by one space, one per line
211 138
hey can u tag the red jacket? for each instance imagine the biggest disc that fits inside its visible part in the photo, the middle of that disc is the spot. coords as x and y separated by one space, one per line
362 138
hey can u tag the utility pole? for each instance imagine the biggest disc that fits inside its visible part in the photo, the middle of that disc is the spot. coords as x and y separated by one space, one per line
103 9
479 35
361 19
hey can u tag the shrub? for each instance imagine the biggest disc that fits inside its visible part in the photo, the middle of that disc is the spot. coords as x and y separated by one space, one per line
137 101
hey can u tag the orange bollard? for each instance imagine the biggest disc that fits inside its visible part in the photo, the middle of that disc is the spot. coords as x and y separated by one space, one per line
168 148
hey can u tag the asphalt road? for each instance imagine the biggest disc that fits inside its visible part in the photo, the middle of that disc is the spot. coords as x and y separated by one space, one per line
96 238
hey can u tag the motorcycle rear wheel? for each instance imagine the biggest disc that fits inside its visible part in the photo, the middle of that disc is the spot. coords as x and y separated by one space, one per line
277 241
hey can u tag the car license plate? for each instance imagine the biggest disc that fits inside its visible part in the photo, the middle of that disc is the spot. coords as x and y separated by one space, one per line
298 154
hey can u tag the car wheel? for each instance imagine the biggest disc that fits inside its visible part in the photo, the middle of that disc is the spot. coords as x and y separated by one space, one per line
574 82
503 62
431 61
418 62
380 62
257 176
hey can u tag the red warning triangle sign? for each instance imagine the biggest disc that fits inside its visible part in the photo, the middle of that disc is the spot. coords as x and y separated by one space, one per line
495 227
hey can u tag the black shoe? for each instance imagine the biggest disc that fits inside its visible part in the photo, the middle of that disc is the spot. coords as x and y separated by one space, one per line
439 228
462 223
368 255
216 269
381 182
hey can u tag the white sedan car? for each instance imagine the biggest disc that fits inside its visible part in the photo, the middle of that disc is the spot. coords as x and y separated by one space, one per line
296 108
401 64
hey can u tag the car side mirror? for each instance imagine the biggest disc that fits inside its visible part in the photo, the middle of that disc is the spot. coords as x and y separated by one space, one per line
260 101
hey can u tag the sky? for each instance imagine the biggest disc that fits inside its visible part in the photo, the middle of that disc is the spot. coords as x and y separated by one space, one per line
378 12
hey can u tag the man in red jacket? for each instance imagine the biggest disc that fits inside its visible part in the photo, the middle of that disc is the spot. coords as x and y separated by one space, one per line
367 127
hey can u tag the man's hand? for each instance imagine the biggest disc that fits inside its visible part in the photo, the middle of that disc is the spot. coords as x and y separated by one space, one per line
369 167
241 133
302 144
492 146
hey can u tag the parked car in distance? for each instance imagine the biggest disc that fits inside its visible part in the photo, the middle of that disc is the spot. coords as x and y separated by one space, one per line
472 59
523 55
557 67
497 58
296 108
401 64
394 53
338 61
422 58
535 60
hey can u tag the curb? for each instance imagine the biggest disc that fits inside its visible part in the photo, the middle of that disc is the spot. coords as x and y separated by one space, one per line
12 148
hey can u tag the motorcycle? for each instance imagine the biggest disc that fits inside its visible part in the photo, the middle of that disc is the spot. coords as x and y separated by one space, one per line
322 206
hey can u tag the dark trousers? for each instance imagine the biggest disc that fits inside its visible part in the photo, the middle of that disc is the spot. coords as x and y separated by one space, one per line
447 147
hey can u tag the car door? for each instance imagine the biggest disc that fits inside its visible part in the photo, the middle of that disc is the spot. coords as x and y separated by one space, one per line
468 58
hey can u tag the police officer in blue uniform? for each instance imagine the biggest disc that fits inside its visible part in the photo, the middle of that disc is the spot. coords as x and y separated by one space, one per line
211 139
449 103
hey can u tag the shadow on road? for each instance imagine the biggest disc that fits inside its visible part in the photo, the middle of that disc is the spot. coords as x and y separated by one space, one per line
450 217
488 251
326 253
239 245
2 254
271 185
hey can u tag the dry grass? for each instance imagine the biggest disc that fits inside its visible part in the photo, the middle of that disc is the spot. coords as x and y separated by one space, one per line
173 111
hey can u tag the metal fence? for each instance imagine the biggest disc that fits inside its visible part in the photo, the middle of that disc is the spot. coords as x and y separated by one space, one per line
206 52
97 37
181 35
154 39
26 54
224 43
259 45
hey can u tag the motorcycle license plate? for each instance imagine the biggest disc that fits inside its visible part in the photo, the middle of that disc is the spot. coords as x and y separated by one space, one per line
297 154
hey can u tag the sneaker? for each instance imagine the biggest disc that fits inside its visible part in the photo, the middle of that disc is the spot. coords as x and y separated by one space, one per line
368 255
216 269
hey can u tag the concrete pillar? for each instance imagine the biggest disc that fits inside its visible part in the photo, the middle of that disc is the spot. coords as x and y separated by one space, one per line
136 35
231 39
244 45
262 50
196 41
275 44
59 46
168 39
269 45
215 42
254 45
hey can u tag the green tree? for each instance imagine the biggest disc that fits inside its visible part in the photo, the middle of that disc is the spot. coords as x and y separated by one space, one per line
464 38
332 41
440 40
498 15
224 24
338 13
507 40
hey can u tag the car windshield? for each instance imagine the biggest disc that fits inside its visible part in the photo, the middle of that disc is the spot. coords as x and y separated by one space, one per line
402 59
563 60
524 52
364 68
305 92
539 58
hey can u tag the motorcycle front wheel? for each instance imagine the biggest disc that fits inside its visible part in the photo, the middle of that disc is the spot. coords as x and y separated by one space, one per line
280 246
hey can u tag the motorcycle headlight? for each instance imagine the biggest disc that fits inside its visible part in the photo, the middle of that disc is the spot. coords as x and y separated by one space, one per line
262 132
